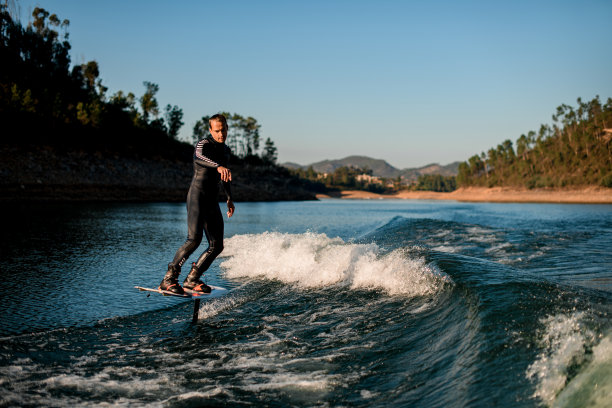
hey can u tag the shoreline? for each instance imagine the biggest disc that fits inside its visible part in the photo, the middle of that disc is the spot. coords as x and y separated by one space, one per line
52 174
586 195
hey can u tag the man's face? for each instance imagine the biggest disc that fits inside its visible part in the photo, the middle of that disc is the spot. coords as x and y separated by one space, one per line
218 131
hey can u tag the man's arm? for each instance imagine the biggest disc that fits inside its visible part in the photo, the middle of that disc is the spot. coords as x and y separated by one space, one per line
226 178
227 187
200 158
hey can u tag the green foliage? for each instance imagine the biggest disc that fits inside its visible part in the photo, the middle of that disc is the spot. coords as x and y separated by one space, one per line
347 177
606 181
42 99
270 153
575 151
148 103
174 119
243 136
436 182
376 188
20 100
200 129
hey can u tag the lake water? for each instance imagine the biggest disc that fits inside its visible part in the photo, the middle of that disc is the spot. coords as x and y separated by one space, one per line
331 303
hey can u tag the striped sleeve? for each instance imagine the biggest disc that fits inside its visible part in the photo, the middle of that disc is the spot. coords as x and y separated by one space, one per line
199 155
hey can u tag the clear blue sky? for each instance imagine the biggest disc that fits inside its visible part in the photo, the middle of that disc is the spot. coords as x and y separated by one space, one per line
411 82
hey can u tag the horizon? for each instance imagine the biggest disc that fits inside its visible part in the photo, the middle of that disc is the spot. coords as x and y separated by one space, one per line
417 83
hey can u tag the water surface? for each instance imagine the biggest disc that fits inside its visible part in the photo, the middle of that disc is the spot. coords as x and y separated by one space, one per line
331 303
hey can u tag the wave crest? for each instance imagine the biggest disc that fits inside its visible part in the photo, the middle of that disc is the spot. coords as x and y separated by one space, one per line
569 346
315 260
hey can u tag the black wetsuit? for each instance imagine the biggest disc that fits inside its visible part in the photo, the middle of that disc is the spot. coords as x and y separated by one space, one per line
203 213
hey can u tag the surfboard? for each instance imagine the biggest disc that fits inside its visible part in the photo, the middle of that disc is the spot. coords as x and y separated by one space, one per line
189 294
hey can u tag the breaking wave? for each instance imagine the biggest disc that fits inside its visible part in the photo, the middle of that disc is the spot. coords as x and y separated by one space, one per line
574 365
314 260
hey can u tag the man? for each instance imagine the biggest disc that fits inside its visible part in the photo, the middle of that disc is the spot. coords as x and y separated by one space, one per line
210 161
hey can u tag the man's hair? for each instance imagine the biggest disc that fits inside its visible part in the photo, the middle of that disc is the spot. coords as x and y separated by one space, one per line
218 117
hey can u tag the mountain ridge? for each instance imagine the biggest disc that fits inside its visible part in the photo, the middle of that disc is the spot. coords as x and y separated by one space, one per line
379 167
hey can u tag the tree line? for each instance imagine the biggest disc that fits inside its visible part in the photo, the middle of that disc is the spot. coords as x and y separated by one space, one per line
44 98
574 151
243 137
341 178
41 92
435 182
361 179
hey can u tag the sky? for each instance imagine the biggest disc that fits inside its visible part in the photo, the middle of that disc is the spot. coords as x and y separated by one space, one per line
409 82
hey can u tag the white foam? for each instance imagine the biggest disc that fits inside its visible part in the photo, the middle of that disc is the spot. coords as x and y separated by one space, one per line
448 248
314 260
592 387
366 394
213 308
311 381
564 341
500 247
261 364
197 396
102 382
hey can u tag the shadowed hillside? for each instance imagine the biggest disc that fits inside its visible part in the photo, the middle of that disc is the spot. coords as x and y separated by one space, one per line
64 138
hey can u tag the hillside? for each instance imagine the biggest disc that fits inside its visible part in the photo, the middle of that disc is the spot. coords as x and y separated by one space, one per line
65 138
412 175
48 173
575 151
380 168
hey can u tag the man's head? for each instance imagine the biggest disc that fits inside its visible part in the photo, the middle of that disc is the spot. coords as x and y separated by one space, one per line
218 127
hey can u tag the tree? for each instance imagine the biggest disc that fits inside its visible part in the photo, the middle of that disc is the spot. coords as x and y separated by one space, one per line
243 133
436 182
44 98
251 135
575 150
148 103
200 129
91 71
270 152
174 120
464 178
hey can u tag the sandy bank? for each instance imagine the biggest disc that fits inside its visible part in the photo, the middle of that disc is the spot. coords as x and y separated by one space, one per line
593 195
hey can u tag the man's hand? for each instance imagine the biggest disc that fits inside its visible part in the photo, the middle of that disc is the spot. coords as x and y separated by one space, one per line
230 208
226 174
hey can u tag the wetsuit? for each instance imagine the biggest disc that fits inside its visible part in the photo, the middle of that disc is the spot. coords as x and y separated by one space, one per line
203 213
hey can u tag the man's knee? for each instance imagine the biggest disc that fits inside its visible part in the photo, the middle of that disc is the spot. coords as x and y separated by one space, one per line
194 241
216 247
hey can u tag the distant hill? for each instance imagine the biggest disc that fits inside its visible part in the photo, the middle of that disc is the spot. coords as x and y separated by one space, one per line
291 165
413 174
380 168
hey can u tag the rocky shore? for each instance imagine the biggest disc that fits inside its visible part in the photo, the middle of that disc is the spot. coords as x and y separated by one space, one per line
52 174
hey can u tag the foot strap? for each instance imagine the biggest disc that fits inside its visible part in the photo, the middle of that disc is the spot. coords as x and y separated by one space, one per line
202 287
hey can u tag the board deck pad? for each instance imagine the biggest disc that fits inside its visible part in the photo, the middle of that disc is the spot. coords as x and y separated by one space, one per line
189 294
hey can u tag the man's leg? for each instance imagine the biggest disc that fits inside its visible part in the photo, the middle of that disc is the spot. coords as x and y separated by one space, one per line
213 228
195 225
